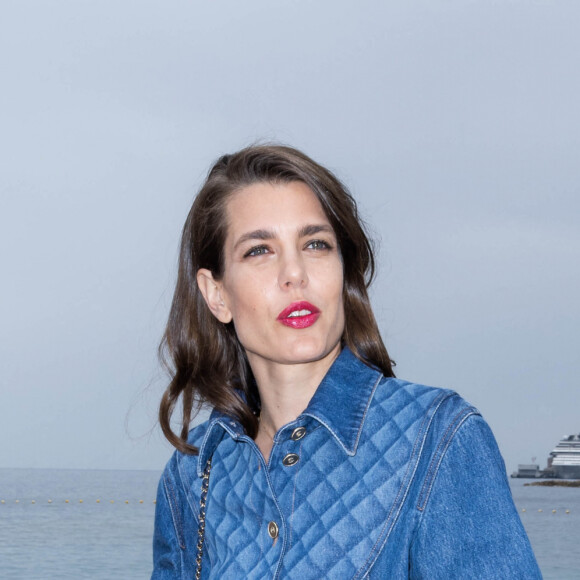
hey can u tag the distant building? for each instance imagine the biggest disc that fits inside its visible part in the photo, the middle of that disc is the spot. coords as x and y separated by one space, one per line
563 462
527 470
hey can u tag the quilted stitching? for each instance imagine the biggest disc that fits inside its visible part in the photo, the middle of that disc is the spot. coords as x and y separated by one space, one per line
331 508
337 530
334 508
351 507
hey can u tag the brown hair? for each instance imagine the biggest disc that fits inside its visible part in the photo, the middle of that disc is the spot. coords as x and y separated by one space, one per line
204 357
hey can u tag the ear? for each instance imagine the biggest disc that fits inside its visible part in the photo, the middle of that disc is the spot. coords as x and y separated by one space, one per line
212 291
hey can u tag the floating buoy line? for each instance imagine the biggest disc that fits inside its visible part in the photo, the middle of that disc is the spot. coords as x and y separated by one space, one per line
540 510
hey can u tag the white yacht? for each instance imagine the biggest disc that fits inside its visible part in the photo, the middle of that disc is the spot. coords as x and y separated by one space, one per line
564 460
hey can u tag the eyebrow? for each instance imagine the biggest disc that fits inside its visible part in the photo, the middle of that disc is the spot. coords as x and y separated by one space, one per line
307 230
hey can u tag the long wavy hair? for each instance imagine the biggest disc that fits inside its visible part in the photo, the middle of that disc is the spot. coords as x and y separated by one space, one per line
206 362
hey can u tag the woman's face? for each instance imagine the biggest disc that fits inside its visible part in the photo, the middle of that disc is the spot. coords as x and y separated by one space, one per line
283 275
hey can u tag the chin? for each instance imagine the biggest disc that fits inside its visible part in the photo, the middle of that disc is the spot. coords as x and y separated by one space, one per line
305 351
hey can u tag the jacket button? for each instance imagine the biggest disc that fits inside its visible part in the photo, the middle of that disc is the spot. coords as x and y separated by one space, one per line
298 433
290 459
273 530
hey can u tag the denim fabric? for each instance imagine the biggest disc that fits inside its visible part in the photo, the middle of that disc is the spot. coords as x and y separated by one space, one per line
393 480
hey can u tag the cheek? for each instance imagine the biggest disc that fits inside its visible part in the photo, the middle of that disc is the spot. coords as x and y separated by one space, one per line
334 280
339 289
244 297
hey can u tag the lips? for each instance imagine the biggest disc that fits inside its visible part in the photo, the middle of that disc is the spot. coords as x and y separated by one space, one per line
299 315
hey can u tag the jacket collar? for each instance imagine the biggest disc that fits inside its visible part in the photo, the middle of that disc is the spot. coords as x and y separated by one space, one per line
340 404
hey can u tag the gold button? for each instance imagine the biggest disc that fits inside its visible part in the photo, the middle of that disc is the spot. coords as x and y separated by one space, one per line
273 530
298 433
290 459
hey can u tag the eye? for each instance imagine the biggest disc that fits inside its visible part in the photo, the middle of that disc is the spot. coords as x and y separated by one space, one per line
256 251
318 245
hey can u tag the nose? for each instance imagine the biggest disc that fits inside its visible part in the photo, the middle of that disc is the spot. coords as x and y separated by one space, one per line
292 272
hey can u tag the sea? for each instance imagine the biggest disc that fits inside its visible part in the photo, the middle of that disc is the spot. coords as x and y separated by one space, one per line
97 524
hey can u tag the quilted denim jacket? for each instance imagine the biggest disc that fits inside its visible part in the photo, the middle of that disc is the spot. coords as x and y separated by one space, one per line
377 478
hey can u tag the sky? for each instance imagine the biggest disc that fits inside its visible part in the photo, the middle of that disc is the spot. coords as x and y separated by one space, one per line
455 125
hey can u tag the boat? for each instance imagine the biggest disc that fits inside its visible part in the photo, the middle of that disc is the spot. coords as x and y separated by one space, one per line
564 460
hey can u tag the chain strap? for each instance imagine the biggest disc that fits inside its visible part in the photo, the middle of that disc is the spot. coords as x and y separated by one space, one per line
201 528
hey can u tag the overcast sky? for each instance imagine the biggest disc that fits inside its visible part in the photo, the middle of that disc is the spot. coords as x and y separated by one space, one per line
455 124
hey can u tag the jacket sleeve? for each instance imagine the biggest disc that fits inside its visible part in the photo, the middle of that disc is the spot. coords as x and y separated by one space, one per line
167 535
469 526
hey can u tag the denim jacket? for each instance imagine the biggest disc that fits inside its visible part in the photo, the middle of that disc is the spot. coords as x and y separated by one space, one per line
377 478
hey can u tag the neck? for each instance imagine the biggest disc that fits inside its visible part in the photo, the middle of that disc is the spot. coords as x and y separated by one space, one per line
285 390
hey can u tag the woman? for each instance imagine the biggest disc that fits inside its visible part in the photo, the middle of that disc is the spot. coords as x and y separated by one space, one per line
316 462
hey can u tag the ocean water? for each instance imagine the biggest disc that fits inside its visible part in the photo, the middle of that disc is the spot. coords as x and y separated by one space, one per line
74 540
552 531
108 534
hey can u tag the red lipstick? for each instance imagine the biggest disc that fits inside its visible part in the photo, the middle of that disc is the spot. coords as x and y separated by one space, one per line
299 315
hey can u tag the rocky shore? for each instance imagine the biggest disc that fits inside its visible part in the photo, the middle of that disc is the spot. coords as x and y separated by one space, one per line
556 483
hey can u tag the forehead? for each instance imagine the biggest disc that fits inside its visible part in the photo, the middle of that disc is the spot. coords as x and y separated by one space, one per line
273 206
